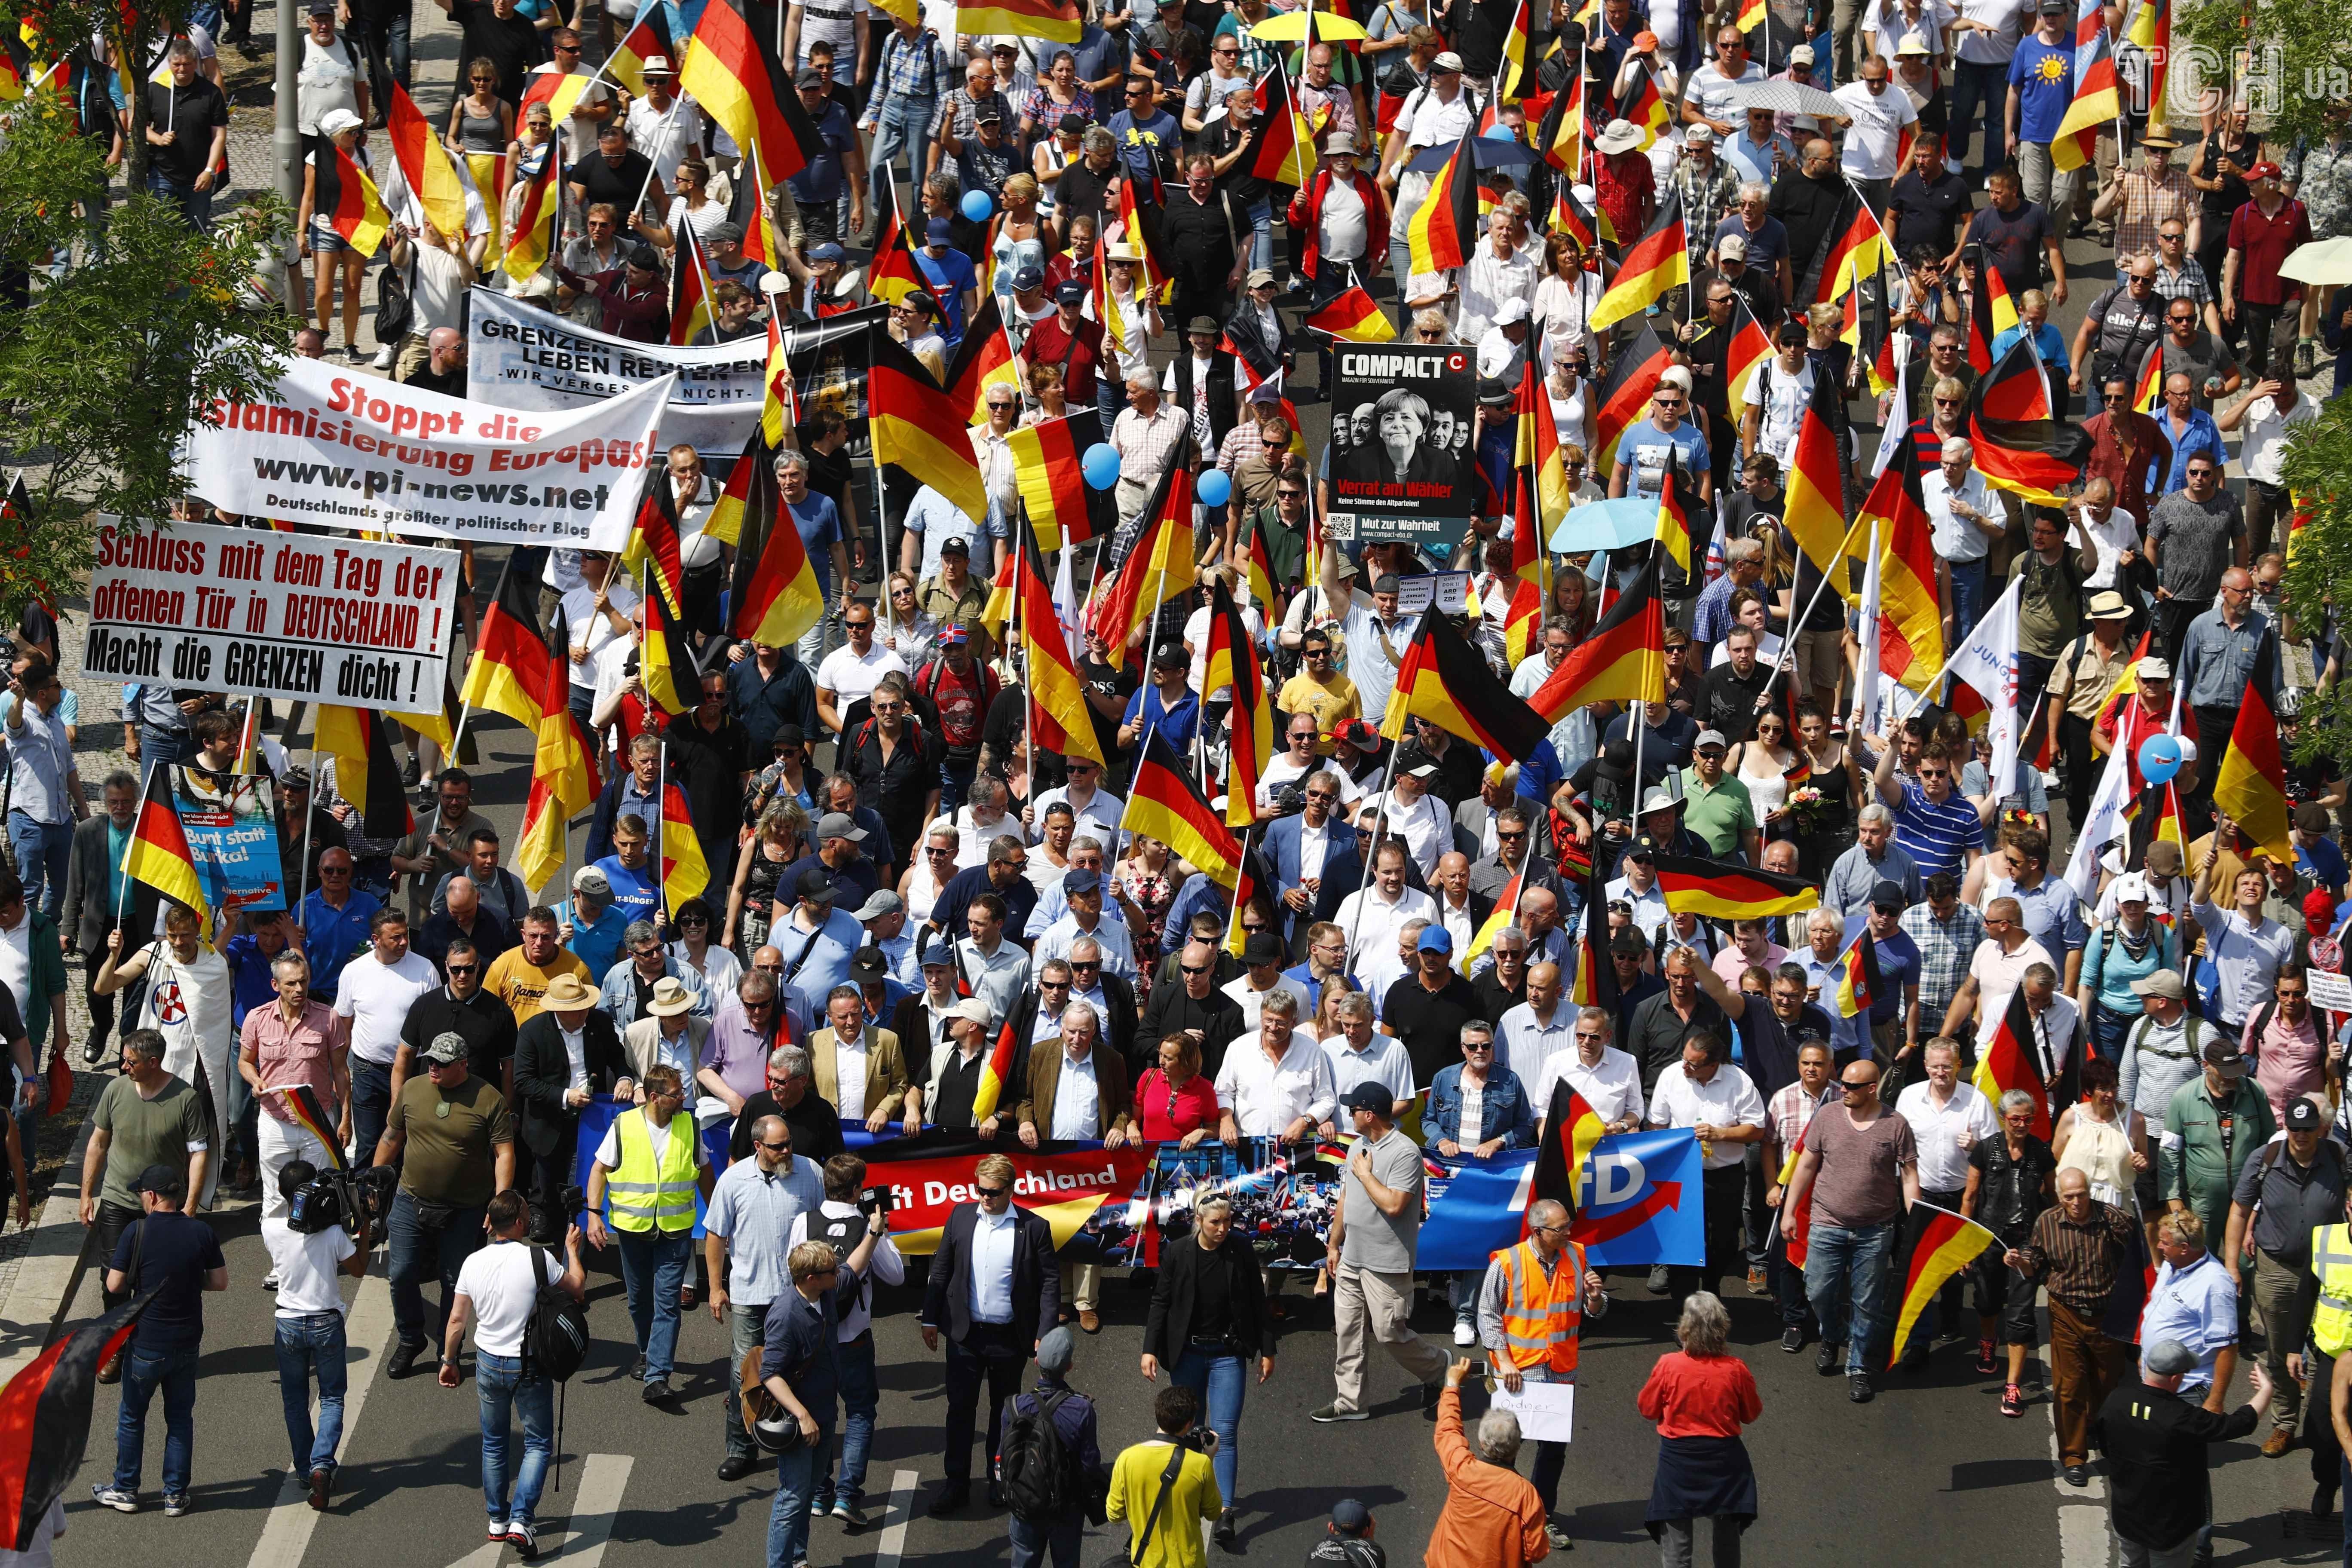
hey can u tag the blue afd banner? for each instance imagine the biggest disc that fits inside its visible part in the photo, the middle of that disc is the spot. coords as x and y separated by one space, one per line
1643 1206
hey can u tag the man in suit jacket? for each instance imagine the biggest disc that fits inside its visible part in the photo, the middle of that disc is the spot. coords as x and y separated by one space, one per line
1287 850
1473 817
991 1299
669 1032
550 1098
92 879
1111 996
1520 846
1053 1105
889 1094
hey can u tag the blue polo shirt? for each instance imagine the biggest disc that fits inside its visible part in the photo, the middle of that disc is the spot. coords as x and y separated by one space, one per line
821 179
2203 437
1174 721
598 943
331 936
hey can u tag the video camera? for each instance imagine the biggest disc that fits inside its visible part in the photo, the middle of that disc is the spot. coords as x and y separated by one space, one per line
876 1200
353 1199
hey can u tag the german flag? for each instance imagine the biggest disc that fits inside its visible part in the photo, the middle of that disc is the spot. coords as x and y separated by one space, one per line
1559 136
560 91
2251 783
1814 511
1571 216
984 358
737 500
531 241
1443 680
1534 447
158 852
1937 1244
302 1104
345 199
1252 877
1911 625
1259 567
654 550
1652 265
994 1074
2148 396
1057 20
689 291
509 669
366 774
684 874
2033 458
1643 104
1749 347
731 72
2097 103
1751 15
1990 310
1443 230
893 275
1350 315
1507 908
1731 892
437 182
46 1411
1858 983
1166 803
748 209
672 676
1626 392
563 772
1159 564
1159 273
1571 1130
779 406
14 69
1233 665
2009 1061
1046 459
1003 594
1283 152
1858 250
919 427
650 36
1674 530
1622 660
1055 691
1516 52
774 597
1796 1216
1595 985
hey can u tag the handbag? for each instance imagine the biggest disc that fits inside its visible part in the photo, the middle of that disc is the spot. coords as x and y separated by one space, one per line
394 307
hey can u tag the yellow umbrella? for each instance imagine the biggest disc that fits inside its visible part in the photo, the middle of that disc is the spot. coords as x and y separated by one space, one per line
1290 27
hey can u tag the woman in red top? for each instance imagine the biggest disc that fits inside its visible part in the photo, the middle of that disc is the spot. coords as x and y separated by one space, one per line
1700 1397
1173 1102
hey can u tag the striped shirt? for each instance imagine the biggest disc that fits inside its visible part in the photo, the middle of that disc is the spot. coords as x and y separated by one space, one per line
2080 1259
1937 838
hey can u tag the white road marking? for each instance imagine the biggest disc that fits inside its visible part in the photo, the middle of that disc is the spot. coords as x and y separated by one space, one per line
603 1478
2083 1539
893 1543
285 1534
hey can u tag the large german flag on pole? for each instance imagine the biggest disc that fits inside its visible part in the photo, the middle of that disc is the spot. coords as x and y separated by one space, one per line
366 774
731 72
672 676
1814 511
45 1413
437 183
1159 565
654 549
919 427
1990 310
509 668
1057 20
1937 1244
1626 392
1233 665
778 598
684 874
1571 1130
893 275
1444 680
1731 892
1065 724
2251 784
531 240
1443 230
562 774
1858 983
1047 459
2019 448
1652 265
2008 1060
1595 985
158 852
1535 447
1624 659
345 199
1285 153
689 291
1166 803
1911 626
1674 508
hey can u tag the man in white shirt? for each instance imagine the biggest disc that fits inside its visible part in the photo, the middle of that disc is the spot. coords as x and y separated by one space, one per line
1450 888
1710 96
1528 1035
1947 1117
1962 517
843 1222
1083 795
1608 1079
1276 1083
376 991
850 672
1432 116
991 966
1361 1054
1409 811
1717 1100
2271 411
596 615
1995 968
310 1325
1501 271
1876 114
1372 916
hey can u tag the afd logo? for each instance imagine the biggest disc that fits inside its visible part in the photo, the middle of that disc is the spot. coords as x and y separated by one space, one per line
1621 1197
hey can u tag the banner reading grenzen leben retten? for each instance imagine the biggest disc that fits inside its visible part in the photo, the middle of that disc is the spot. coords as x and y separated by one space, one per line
281 614
359 452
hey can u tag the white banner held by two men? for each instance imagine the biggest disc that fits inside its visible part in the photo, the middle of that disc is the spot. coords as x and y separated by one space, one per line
281 614
519 357
359 452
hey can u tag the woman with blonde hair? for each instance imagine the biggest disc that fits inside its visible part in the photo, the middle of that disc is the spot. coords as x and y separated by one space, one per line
902 627
779 841
1023 239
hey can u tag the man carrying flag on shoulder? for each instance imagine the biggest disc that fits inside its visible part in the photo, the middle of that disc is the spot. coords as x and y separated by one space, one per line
1531 1309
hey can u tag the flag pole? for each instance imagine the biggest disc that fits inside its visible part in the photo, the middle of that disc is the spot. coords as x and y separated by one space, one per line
309 818
1380 824
122 896
661 145
1788 658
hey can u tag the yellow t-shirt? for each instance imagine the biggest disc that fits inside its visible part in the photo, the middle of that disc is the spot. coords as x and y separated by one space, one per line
1332 704
519 984
1135 1482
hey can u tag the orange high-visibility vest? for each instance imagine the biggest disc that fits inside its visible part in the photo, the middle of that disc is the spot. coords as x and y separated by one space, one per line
1542 1316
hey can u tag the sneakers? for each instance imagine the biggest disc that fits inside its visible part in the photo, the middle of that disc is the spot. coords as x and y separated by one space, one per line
1986 1364
120 1498
497 1530
1792 1340
1858 1389
385 356
846 1511
1465 1334
2012 1400
1331 1413
1560 1540
519 1536
174 1504
322 1483
1830 1360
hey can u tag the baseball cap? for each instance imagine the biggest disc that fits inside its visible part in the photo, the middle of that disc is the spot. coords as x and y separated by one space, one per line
591 881
2163 983
1710 738
952 635
939 231
883 902
448 1046
1370 1096
2265 170
2223 1052
1350 1517
2131 888
1260 949
955 545
973 1010
1434 938
335 121
1700 134
867 963
2301 1116
2153 668
816 887
808 77
1070 291
1166 656
1888 895
1730 247
1028 275
937 954
826 250
162 1181
1259 277
838 825
1447 60
1081 881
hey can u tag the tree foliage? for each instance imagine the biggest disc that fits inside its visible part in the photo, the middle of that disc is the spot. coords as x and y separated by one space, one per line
2317 469
103 369
2290 52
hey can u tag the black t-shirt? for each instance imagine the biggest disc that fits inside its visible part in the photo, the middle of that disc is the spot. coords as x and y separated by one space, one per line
35 626
2223 204
450 383
174 1255
1238 182
599 181
1928 212
191 113
817 1130
510 43
1728 700
1495 1000
486 1024
1430 1022
2015 241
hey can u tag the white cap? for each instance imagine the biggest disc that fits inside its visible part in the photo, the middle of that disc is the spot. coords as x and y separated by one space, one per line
1514 308
1731 247
2131 889
335 121
1802 55
1676 376
1447 61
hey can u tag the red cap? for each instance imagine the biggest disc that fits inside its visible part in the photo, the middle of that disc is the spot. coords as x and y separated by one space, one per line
2265 170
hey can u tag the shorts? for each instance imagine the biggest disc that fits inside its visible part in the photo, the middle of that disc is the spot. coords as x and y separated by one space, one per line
324 240
2003 1293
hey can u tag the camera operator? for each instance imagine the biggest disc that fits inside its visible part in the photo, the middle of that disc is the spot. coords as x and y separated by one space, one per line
310 1320
458 1137
1173 1457
798 1370
848 1214
753 1207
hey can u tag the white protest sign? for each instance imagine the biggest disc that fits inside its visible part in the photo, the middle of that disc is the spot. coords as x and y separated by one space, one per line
1547 1411
1450 589
281 614
2330 990
519 357
354 451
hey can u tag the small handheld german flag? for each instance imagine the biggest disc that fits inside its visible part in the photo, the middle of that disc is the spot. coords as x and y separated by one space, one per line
1858 985
1937 1244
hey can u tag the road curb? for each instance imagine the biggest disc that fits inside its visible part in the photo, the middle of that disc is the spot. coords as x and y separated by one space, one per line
50 1269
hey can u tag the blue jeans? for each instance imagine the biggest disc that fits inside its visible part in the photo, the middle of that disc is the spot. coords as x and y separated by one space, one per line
653 1267
41 850
385 34
1110 402
195 205
503 1388
861 1400
310 1345
1979 98
158 746
1032 1543
1851 1262
415 1247
2109 1029
1221 1380
1260 214
788 1516
900 124
143 1372
1968 593
371 1109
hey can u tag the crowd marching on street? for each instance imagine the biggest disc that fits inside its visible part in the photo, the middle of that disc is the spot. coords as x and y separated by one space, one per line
1835 712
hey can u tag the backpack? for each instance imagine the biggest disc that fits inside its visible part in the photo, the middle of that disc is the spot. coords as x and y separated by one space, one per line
1041 1471
555 1342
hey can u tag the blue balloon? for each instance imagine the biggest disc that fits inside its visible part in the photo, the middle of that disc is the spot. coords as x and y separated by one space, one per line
1499 131
2160 759
1100 465
977 206
1216 489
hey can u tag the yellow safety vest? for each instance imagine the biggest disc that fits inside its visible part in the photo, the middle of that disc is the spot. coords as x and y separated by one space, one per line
646 1193
2331 1259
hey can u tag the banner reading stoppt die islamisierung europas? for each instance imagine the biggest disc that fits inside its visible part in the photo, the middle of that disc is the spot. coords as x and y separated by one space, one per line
359 452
